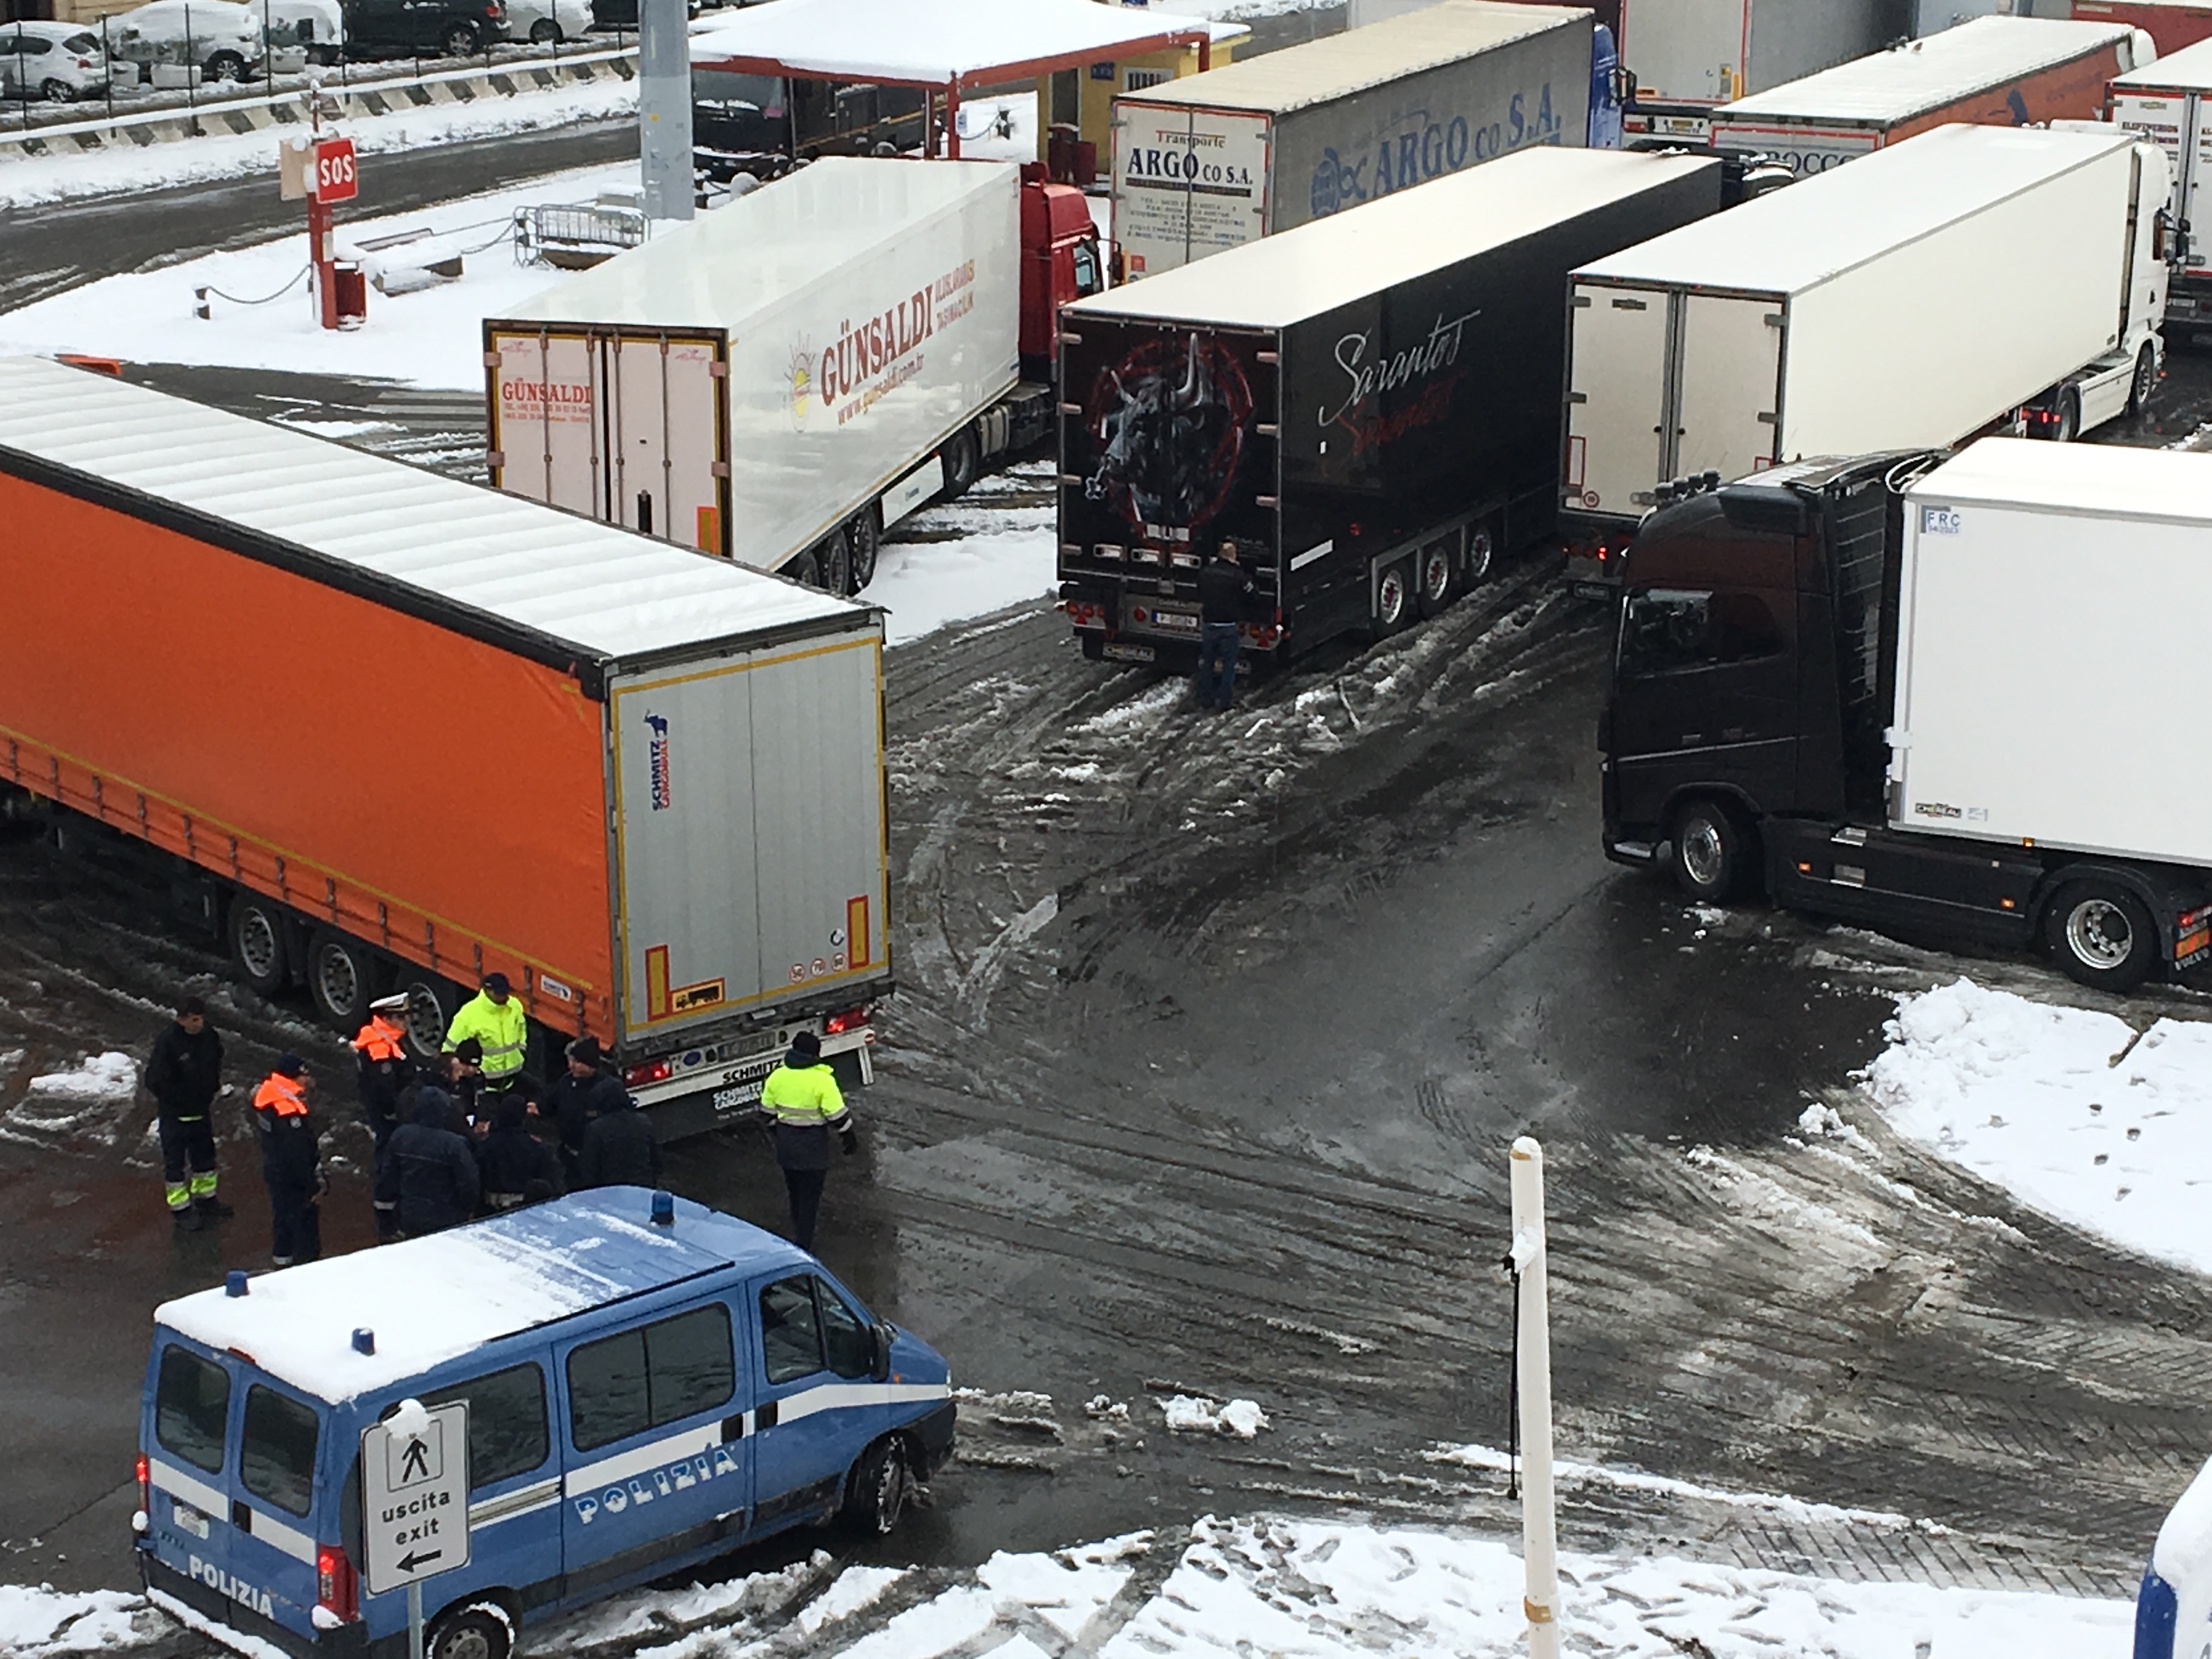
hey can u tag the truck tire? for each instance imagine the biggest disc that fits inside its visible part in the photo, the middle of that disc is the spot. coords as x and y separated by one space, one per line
876 1490
867 531
344 976
1393 599
1712 854
1481 555
260 943
476 1632
2070 416
963 463
432 1002
805 569
1439 580
2146 380
832 556
2102 934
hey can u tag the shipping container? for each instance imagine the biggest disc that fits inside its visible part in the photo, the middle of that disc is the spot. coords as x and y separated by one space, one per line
2169 104
1884 688
1879 306
781 379
2170 24
1364 404
1990 71
1215 160
395 731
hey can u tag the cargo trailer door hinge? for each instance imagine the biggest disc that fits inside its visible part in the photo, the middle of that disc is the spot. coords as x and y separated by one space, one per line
1581 302
1768 417
1775 319
495 458
718 370
491 360
1578 397
718 469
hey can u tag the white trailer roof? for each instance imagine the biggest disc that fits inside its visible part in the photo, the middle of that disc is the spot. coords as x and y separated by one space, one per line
607 592
1340 64
2189 70
1800 236
1924 75
1315 267
2097 480
725 268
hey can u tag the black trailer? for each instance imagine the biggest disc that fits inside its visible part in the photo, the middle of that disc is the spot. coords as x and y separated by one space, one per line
1367 405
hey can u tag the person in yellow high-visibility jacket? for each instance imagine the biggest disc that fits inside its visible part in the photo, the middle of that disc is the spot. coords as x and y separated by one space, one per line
495 1019
801 1097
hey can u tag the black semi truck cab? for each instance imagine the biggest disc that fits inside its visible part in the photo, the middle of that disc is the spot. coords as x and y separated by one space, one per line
1748 727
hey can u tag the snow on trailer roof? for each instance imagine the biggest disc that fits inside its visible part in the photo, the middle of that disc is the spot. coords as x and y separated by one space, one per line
2098 480
1317 71
1798 238
726 267
2189 70
1315 267
431 1299
597 590
1923 75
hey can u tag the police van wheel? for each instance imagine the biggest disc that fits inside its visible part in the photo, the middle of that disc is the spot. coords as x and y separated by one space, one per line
259 943
875 1492
343 975
473 1632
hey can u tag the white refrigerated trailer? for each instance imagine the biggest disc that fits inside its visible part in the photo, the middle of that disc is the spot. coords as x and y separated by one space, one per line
1971 275
2165 103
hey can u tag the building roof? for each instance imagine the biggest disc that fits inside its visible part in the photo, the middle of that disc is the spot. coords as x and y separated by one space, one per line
1315 267
2189 70
725 268
1337 65
481 559
974 43
1800 236
2099 480
1885 88
431 1299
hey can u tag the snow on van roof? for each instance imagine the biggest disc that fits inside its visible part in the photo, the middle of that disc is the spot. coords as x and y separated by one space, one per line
432 1299
2097 480
2189 70
1819 227
1315 267
1981 55
1318 71
605 592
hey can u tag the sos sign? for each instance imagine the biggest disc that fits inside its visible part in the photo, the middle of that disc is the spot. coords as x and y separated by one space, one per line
335 179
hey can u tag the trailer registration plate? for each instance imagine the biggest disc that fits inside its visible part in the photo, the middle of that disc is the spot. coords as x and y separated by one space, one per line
1117 651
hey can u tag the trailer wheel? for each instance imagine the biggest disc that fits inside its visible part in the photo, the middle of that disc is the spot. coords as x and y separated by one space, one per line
1712 852
2146 380
432 1002
344 976
866 531
1439 582
875 1491
2070 416
805 569
259 944
835 559
1393 598
1481 554
2102 934
963 463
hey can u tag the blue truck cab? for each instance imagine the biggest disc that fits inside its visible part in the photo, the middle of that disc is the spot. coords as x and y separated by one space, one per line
649 1383
2173 1608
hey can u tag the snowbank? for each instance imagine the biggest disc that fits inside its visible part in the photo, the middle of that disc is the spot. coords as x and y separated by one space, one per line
2067 1108
96 1077
38 1622
1242 1418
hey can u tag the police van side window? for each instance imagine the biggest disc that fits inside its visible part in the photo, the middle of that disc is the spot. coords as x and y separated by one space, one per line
674 1368
791 1335
507 1422
192 1403
276 1450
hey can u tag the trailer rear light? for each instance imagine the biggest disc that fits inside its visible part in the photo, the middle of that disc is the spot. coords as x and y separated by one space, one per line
336 1587
653 1071
1082 614
1143 556
851 1019
1109 551
1182 558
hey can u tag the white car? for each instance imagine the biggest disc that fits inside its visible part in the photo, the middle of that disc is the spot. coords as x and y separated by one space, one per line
315 26
223 37
547 20
58 62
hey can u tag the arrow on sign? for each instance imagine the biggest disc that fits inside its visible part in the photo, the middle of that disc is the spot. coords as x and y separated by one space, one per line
409 1561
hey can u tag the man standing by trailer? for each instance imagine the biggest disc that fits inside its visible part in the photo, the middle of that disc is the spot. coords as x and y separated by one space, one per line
801 1096
495 1019
289 1161
380 1052
1225 595
183 1074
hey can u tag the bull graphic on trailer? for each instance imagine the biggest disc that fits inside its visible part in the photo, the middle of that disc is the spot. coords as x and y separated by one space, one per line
1169 420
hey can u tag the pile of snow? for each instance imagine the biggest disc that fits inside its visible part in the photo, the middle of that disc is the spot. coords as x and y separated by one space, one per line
97 1076
38 1622
927 585
2067 1108
1241 1417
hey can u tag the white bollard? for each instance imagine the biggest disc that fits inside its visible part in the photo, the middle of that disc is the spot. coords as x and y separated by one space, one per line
1540 1542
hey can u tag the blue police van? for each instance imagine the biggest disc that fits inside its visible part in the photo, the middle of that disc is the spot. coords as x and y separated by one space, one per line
649 1383
2174 1607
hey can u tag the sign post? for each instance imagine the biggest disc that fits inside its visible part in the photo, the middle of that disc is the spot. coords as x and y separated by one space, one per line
1540 1541
415 1502
334 180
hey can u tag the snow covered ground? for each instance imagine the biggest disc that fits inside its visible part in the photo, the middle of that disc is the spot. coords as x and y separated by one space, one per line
28 179
2075 1111
1315 1589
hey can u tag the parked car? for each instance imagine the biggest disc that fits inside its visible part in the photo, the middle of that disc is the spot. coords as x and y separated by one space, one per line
453 29
314 27
223 37
58 62
547 22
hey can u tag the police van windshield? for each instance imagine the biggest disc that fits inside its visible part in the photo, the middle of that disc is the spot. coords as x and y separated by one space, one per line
277 1450
191 1403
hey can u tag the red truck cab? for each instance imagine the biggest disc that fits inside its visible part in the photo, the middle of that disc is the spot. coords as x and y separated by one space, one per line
1061 262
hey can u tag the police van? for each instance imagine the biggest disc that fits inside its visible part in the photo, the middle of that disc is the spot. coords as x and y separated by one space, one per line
648 1383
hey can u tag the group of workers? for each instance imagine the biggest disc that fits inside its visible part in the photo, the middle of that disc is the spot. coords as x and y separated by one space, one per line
460 1137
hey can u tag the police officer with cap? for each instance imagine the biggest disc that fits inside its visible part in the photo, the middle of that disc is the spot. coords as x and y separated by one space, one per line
381 1055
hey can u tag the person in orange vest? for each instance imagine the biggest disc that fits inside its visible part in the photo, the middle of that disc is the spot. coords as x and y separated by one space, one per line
289 1163
380 1049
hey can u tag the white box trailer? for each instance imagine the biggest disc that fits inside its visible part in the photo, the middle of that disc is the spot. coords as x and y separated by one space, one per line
1688 55
1218 160
1972 276
755 383
2165 103
1995 71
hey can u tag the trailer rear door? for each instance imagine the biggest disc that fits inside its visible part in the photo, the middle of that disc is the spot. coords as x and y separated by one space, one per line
1618 402
1188 182
544 418
1689 50
750 836
666 438
1728 385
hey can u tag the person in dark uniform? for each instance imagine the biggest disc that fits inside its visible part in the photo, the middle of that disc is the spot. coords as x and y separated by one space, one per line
426 1180
379 1050
1224 598
290 1163
184 1073
586 1090
802 1097
620 1149
511 1157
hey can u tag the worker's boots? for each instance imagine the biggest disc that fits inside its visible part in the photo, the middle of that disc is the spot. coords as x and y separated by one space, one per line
187 1218
213 1209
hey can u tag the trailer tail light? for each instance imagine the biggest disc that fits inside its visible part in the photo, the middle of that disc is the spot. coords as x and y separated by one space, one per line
1083 613
336 1587
2192 933
851 1020
653 1071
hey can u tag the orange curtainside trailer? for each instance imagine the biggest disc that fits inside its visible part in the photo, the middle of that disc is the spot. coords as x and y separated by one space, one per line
386 715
